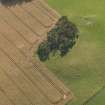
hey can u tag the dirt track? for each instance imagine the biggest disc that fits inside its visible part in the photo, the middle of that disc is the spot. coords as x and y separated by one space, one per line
22 81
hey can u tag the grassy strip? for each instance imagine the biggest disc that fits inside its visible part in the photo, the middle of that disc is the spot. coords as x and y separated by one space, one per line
94 96
82 69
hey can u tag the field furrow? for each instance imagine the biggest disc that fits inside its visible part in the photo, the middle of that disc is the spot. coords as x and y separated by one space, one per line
29 20
12 91
12 35
33 74
12 20
38 14
20 80
38 5
53 79
5 100
46 7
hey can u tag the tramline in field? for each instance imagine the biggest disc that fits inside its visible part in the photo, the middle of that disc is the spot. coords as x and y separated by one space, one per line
22 81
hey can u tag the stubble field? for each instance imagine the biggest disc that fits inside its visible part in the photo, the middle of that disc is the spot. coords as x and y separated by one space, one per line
22 80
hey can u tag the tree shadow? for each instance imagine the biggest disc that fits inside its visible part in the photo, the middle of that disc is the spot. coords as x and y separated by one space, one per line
9 3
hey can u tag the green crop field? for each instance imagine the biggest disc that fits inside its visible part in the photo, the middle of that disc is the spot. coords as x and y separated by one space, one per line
83 69
98 99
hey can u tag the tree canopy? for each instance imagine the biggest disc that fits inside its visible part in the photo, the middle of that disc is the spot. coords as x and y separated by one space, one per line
60 38
13 2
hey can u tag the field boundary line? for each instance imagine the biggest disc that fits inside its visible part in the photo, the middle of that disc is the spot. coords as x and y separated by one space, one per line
35 68
21 69
94 95
46 12
48 8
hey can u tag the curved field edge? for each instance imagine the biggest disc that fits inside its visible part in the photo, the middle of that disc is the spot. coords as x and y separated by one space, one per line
83 69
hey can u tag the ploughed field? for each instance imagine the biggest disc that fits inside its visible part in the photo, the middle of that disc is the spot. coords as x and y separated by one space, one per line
22 80
83 69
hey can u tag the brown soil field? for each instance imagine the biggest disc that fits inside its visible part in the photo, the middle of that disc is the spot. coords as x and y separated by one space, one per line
24 81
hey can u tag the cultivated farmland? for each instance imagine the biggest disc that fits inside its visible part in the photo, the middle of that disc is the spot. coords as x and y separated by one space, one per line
22 80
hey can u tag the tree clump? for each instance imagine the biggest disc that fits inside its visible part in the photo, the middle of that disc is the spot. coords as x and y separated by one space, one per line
61 38
13 2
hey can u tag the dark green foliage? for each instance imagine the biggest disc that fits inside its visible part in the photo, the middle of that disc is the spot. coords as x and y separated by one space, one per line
61 38
13 2
43 51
